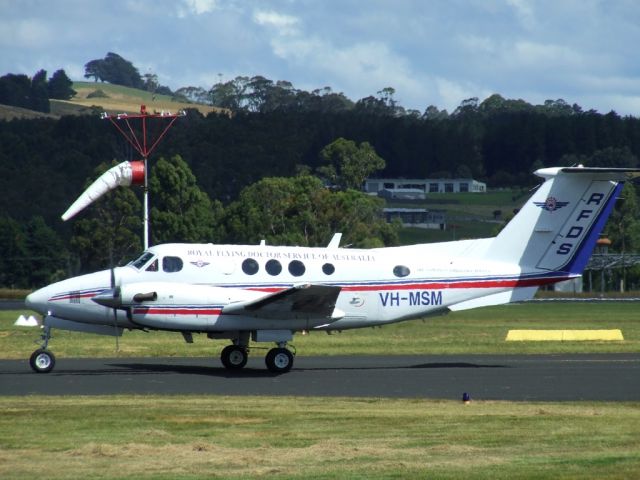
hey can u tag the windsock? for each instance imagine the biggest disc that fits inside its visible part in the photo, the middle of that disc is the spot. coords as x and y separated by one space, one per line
123 174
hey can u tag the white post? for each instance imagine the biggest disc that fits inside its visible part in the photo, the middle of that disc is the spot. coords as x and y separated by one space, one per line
145 213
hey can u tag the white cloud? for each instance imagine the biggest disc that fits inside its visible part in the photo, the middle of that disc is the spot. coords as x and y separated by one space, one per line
283 24
196 7
545 55
30 33
524 12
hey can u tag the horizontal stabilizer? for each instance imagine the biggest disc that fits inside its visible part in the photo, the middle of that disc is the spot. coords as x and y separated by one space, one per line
300 301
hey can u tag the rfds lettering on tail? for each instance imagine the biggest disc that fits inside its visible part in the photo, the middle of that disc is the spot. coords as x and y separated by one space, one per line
263 293
581 221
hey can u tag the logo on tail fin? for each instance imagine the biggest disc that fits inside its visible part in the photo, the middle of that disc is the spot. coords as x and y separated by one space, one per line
551 204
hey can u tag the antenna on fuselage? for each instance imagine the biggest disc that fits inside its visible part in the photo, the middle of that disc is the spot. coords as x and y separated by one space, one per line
335 241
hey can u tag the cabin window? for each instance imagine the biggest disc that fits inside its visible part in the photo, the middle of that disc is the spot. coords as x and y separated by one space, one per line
328 268
153 266
401 271
296 268
273 267
142 260
171 264
250 266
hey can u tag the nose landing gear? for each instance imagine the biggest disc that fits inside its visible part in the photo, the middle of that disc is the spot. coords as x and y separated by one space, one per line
43 360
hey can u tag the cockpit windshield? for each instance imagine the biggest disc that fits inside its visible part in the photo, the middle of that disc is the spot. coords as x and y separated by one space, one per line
142 260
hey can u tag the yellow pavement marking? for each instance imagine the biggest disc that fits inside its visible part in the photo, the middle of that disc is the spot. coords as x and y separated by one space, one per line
563 335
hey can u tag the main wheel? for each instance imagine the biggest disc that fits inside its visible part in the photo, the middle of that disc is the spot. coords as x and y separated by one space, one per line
42 361
234 357
279 360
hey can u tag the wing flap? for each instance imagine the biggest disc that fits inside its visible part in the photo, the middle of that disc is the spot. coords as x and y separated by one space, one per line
300 301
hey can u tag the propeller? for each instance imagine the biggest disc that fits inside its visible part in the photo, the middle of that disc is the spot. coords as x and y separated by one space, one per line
111 298
117 300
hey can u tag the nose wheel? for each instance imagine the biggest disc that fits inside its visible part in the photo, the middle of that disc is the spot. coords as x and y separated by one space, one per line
43 360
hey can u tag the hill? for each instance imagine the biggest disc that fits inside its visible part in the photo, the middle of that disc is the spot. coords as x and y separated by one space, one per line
92 98
9 112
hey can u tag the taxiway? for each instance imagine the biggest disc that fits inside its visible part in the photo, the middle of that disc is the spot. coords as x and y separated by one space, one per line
612 377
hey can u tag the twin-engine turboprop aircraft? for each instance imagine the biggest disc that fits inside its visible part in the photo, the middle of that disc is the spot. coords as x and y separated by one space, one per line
267 293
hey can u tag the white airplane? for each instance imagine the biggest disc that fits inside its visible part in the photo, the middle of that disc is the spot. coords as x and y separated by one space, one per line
267 293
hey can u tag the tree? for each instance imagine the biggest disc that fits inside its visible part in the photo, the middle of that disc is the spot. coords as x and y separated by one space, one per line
59 86
15 90
13 268
231 94
94 69
301 211
39 96
348 165
32 254
194 94
46 254
614 157
150 82
114 69
111 228
181 212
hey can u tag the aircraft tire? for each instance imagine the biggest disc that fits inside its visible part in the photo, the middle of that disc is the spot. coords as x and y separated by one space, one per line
42 361
279 360
234 357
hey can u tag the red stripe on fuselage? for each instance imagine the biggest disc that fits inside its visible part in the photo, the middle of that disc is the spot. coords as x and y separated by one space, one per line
176 311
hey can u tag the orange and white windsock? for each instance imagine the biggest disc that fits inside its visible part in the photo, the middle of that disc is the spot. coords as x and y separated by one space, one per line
123 174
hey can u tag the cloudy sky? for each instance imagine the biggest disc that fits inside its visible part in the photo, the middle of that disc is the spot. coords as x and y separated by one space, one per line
432 52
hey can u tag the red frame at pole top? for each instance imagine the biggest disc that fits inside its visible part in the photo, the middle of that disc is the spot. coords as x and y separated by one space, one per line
140 144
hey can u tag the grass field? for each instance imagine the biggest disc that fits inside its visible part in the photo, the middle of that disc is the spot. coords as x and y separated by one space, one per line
475 331
189 437
250 437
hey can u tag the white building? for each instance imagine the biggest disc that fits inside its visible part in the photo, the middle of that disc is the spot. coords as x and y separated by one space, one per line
374 186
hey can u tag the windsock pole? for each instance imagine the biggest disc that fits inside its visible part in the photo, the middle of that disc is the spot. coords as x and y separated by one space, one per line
145 213
142 148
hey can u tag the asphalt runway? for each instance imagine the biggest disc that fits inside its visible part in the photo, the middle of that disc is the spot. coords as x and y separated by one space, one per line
518 378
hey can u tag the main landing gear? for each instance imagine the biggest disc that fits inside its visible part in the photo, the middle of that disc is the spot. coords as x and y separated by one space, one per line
278 360
43 360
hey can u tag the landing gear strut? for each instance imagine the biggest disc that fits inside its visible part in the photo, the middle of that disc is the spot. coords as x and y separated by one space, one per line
43 360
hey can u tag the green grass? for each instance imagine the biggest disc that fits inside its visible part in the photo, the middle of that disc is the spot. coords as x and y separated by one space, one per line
479 331
188 437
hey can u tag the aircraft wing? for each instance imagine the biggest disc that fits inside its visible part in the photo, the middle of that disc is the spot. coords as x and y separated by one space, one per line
299 301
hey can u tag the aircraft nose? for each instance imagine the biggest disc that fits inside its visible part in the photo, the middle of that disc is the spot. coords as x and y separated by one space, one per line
37 301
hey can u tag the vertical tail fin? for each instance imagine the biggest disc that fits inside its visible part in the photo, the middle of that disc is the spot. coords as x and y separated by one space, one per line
559 225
